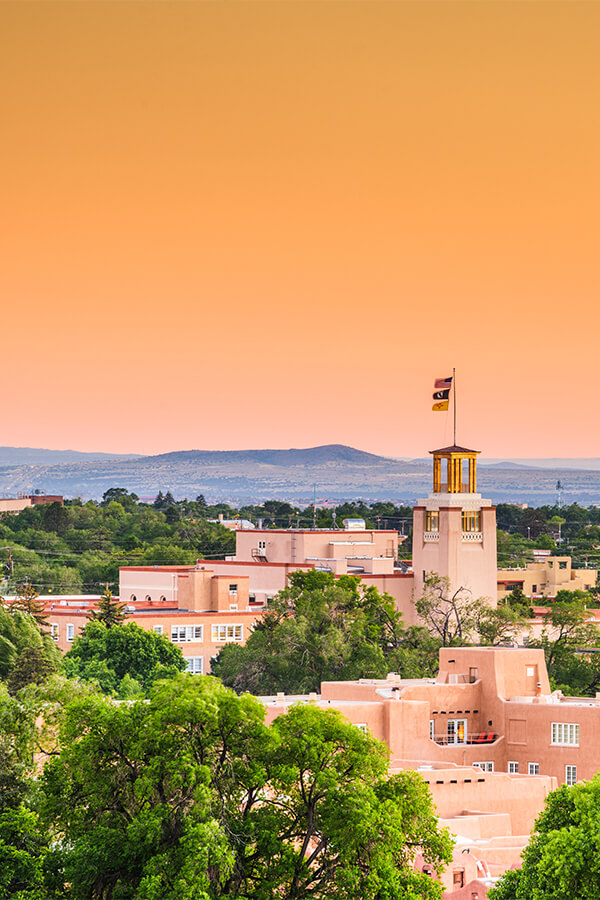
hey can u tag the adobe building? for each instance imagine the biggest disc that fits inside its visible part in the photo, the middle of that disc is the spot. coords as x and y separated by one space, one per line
545 577
489 738
454 529
195 608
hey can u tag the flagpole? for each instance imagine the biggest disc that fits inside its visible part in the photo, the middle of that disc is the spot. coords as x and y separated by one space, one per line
454 401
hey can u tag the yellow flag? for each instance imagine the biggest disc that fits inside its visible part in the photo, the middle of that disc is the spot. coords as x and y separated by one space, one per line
440 407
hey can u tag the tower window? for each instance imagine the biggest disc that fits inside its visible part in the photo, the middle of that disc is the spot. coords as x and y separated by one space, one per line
471 520
432 520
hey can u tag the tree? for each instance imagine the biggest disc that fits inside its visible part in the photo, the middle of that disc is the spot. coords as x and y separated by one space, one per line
450 616
562 859
498 625
320 629
189 795
120 495
106 655
19 633
17 742
567 639
32 666
28 600
109 610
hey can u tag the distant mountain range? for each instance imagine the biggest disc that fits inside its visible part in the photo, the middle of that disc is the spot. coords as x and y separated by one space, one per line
239 476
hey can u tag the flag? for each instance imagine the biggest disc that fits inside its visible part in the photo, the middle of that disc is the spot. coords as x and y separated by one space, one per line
441 383
440 407
442 395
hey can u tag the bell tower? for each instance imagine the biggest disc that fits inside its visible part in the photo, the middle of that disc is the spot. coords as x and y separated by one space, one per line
454 529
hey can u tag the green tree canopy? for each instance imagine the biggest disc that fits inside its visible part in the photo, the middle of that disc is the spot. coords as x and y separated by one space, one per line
189 795
109 610
322 629
107 655
562 860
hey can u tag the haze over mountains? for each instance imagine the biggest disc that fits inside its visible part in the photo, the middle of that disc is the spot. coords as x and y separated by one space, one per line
240 476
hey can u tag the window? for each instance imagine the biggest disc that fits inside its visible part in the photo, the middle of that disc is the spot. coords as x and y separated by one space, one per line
54 632
163 599
486 766
362 726
457 731
471 520
534 588
458 878
262 546
195 664
432 520
513 768
570 775
148 598
233 588
157 629
565 734
531 671
473 675
233 606
133 598
183 633
533 768
70 632
431 729
562 564
222 633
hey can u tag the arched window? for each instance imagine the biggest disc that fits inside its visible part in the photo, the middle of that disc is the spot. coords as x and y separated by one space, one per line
163 599
133 598
148 598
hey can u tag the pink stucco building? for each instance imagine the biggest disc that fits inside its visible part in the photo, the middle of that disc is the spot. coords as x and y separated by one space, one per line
487 735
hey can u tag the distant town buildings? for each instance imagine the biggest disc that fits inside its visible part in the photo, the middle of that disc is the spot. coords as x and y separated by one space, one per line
24 501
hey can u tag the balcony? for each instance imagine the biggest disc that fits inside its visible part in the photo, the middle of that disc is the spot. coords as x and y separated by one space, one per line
472 537
468 739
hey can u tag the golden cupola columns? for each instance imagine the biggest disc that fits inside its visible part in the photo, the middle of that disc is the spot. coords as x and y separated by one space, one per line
460 470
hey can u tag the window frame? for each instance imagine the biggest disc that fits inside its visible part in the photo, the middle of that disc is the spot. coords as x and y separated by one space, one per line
190 668
70 632
570 775
513 767
564 734
187 634
533 768
219 632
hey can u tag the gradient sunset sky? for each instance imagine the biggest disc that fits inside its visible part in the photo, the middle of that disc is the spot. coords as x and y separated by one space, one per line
273 224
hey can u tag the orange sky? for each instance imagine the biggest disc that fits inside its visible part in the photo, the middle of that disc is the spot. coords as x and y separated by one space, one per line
253 224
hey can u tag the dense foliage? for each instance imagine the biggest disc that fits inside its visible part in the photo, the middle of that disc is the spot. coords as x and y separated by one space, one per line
323 628
126 659
190 796
562 860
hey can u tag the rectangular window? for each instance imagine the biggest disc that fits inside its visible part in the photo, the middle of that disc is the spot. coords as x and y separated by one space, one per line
222 633
233 588
233 607
183 633
486 766
533 768
432 520
431 729
195 664
457 731
565 734
471 520
570 775
513 768
70 632
54 632
157 629
362 727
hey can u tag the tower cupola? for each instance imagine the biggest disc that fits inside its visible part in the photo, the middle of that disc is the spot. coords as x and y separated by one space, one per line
454 470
